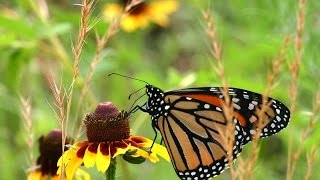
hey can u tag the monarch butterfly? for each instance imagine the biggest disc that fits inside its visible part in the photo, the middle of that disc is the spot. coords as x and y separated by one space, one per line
192 122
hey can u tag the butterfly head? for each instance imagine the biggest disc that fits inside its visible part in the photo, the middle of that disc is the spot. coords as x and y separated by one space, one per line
155 103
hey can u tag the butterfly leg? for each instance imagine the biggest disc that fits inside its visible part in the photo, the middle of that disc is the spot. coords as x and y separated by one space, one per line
155 137
136 108
161 141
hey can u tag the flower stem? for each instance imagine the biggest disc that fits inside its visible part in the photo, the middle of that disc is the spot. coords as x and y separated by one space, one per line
111 172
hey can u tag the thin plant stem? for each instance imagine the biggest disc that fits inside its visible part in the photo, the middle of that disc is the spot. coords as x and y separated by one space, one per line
311 157
77 50
111 172
272 76
101 43
305 134
294 69
228 137
26 115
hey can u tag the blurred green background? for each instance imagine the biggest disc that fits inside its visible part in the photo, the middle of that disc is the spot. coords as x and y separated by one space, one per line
251 33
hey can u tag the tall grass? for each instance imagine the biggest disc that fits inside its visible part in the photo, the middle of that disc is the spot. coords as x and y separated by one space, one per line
227 107
69 100
26 116
246 167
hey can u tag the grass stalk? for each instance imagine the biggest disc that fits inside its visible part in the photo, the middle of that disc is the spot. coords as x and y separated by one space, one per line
294 69
26 115
216 52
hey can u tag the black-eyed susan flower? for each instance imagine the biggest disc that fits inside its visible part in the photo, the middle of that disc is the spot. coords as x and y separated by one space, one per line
108 136
50 147
138 13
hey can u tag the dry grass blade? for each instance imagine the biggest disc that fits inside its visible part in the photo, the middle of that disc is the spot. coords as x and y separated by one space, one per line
311 157
295 66
84 30
59 96
26 115
101 44
215 46
294 69
305 134
272 76
228 138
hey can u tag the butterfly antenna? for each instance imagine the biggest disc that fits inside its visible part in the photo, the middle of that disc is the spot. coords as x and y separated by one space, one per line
128 77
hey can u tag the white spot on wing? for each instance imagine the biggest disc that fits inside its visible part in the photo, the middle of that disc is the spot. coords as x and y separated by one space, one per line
235 100
213 89
272 125
251 106
254 102
236 106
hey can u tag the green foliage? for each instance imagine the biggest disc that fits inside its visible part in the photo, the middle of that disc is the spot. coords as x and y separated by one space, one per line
251 33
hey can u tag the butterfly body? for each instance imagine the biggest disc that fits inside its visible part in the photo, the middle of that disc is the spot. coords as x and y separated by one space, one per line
193 125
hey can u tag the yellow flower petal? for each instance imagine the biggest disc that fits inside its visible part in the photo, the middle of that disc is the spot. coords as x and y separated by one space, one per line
130 23
34 175
152 157
45 177
157 148
140 152
112 11
69 154
70 161
54 178
161 151
72 167
159 11
89 157
161 20
121 150
103 158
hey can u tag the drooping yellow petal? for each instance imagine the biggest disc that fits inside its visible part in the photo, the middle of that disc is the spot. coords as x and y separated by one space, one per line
161 151
71 163
89 158
72 167
69 154
112 11
103 158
